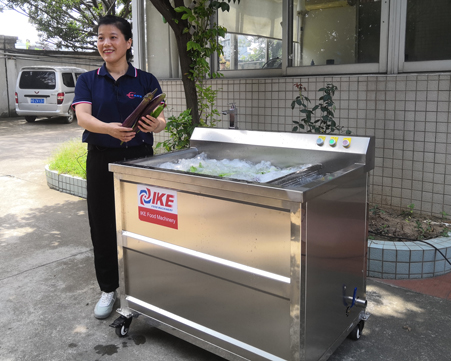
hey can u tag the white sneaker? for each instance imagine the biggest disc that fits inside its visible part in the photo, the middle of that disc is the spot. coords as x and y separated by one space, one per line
105 305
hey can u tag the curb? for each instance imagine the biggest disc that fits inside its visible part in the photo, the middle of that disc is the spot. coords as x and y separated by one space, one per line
65 183
408 260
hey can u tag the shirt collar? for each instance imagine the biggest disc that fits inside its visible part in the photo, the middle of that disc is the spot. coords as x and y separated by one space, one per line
131 71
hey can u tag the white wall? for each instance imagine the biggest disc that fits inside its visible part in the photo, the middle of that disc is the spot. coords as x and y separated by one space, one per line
162 55
410 116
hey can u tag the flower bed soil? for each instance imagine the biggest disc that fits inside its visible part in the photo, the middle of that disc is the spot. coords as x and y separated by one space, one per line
394 225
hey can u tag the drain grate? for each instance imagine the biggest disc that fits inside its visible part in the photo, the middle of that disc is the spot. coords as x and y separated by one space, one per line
300 177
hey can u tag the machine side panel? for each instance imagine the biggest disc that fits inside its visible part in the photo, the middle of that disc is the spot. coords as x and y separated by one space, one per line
242 313
225 267
247 234
336 236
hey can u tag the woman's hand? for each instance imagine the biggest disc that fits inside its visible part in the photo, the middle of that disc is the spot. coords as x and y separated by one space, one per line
94 125
148 124
116 130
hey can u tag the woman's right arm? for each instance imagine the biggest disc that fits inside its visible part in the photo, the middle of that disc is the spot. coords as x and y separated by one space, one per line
87 121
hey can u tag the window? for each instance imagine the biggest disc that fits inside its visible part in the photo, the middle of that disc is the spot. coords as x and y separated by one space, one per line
37 80
250 52
311 37
254 35
334 32
68 80
427 30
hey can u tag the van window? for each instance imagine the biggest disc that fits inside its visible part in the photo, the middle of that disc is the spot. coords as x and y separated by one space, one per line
77 75
68 80
37 80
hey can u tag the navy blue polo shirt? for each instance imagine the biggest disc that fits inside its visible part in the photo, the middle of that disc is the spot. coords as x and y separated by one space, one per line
114 100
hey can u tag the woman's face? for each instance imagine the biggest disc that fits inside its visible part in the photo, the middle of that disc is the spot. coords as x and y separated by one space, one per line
111 44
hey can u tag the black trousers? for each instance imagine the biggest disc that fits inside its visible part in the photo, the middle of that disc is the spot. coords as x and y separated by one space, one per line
101 211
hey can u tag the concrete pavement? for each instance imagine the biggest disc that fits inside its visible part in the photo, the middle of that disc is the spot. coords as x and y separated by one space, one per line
48 288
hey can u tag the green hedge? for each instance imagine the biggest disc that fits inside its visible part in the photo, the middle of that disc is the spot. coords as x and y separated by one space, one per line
70 158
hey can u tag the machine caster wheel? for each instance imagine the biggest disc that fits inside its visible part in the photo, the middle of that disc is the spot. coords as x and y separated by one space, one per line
356 333
122 325
122 331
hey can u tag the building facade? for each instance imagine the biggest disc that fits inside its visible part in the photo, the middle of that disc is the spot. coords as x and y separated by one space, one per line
391 62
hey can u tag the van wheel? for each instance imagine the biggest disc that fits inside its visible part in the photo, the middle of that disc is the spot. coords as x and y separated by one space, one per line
30 119
70 118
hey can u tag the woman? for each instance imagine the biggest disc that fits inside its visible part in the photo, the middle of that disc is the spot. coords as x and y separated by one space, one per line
103 100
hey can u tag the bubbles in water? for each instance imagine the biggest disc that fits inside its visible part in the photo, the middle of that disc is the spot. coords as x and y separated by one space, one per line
262 172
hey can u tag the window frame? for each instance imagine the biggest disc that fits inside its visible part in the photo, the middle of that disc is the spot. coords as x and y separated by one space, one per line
398 14
391 50
287 39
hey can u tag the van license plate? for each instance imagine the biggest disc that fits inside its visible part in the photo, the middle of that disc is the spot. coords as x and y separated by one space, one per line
37 101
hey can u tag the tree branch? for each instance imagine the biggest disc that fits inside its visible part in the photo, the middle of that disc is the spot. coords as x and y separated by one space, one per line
89 8
173 18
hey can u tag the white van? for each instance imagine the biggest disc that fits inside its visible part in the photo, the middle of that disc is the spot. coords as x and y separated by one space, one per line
46 91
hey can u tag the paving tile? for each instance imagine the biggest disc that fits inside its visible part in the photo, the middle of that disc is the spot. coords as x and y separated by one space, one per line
402 276
428 267
437 286
429 255
416 268
389 254
375 274
389 276
416 256
403 255
403 268
375 266
439 255
439 266
376 253
389 267
415 276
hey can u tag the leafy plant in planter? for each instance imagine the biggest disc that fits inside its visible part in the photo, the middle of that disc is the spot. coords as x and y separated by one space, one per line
325 123
195 38
201 45
180 129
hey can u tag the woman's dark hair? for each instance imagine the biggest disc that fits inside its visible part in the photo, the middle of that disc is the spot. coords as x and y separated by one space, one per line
122 24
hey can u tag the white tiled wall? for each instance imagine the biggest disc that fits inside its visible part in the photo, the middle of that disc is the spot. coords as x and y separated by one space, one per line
408 114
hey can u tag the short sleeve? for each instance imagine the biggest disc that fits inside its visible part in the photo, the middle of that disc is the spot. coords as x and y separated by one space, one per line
83 92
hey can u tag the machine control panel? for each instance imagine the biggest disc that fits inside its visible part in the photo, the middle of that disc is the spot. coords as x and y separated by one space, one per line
333 141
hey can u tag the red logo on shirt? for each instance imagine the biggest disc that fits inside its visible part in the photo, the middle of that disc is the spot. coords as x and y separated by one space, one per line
132 95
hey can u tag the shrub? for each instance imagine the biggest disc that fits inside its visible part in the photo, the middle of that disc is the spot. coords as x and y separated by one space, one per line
70 158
